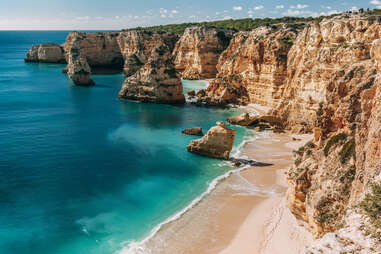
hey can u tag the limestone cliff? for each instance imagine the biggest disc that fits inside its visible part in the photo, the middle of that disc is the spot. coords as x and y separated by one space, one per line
332 174
46 53
253 68
101 50
156 81
136 47
198 50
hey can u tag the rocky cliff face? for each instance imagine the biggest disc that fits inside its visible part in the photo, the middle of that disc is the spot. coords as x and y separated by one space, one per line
318 52
46 53
101 50
332 174
156 81
217 142
198 50
136 47
253 68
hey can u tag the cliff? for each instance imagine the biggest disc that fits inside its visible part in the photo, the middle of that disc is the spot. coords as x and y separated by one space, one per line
136 47
198 49
156 81
253 68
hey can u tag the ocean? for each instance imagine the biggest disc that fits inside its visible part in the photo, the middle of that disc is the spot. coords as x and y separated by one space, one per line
84 172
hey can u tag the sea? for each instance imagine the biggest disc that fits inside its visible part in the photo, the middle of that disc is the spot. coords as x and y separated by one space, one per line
84 172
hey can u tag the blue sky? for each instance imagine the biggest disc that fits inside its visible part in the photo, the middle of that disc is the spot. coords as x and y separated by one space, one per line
117 14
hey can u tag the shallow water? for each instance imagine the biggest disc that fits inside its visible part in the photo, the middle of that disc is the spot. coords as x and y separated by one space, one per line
80 170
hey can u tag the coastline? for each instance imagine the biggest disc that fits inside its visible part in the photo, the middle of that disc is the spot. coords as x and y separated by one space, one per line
243 211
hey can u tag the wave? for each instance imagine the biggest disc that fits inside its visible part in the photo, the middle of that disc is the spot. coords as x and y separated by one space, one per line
138 247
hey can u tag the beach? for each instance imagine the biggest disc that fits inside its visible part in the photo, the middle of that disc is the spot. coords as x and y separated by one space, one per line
246 212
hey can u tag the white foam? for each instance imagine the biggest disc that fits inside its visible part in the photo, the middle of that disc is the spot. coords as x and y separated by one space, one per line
138 247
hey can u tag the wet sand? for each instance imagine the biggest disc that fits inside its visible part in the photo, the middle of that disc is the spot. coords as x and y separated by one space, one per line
245 213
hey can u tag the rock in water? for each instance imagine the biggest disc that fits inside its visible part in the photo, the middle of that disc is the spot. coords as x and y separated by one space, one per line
46 53
195 131
78 69
156 81
217 143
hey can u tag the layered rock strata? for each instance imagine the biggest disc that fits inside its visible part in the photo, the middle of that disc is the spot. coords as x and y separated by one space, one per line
137 46
253 68
198 50
156 81
46 53
217 142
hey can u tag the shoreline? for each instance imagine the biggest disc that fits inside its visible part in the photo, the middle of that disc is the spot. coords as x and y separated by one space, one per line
224 219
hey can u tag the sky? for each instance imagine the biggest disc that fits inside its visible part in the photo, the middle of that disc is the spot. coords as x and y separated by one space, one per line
119 14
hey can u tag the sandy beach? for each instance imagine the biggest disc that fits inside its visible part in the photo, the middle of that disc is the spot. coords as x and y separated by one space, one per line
246 212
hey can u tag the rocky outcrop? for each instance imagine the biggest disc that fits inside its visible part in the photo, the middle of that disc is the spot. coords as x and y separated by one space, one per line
332 174
156 81
319 51
195 131
136 47
217 143
46 53
253 68
101 50
198 50
78 69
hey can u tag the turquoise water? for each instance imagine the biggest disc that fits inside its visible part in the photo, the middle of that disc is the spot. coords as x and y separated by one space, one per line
80 170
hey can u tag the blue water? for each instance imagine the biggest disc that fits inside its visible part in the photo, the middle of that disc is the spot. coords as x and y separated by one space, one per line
80 170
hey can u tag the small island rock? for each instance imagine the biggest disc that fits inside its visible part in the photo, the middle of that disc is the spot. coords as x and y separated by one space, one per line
217 143
195 131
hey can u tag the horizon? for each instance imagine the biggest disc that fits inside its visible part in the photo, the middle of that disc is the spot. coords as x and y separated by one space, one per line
43 15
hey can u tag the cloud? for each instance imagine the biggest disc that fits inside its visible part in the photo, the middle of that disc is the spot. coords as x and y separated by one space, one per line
299 6
237 8
259 7
174 12
279 6
375 2
163 11
227 17
354 8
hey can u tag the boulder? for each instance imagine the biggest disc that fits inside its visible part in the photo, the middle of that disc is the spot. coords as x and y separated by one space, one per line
243 120
195 131
217 143
46 53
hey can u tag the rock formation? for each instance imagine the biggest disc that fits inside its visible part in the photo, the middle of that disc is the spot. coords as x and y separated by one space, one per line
78 69
217 143
253 68
198 50
46 53
136 47
101 50
195 131
156 81
332 174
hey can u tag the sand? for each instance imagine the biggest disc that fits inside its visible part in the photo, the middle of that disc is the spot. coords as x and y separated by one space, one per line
245 213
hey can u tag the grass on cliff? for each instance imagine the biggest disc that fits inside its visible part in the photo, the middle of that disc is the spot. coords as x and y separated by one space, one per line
347 151
371 205
335 139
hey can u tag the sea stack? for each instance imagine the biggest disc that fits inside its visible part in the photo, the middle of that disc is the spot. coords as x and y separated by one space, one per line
46 53
217 143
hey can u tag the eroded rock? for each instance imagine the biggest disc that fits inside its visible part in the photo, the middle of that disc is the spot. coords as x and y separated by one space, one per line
217 142
46 53
195 131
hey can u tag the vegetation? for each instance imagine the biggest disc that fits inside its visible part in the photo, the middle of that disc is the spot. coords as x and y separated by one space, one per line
246 24
347 151
371 205
287 40
332 141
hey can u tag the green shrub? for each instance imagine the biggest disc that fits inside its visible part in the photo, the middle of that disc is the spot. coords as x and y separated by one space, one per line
347 151
332 141
371 205
287 40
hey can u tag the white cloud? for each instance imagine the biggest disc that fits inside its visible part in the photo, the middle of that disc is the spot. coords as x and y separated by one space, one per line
237 8
375 2
279 6
354 8
259 7
163 11
174 12
227 17
299 6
